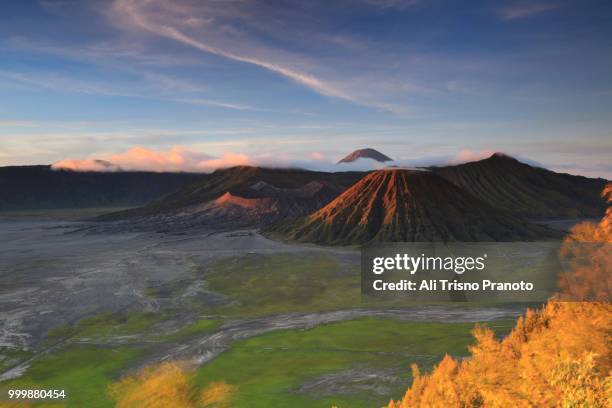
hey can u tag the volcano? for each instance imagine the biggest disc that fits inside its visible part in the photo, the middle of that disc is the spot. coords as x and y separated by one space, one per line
263 204
251 195
409 205
506 183
365 154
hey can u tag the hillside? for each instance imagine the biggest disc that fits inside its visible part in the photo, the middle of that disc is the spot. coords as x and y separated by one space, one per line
284 192
40 187
258 205
505 183
408 205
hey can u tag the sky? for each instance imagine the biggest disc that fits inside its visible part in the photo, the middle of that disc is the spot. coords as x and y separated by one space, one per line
197 85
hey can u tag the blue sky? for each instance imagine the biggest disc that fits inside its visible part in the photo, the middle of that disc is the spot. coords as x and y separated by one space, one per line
303 83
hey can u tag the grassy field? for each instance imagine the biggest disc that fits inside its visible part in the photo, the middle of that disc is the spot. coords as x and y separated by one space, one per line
294 368
11 356
280 283
84 372
266 284
106 325
199 327
268 370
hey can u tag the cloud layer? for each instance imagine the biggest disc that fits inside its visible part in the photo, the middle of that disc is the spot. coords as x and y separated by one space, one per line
180 159
176 159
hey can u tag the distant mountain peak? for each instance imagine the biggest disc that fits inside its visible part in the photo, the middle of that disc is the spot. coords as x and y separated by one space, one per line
366 153
501 155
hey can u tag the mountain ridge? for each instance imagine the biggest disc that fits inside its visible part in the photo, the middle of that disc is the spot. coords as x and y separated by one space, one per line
408 205
534 192
280 184
41 187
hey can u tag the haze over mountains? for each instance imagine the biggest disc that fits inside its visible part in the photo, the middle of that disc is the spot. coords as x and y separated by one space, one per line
489 199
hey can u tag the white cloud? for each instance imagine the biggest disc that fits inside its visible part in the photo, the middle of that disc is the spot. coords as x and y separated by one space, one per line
525 10
192 159
140 158
181 159
231 32
468 155
146 16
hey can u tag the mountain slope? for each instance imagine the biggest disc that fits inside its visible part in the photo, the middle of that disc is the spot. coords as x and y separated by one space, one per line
408 205
40 187
260 204
506 183
290 191
365 154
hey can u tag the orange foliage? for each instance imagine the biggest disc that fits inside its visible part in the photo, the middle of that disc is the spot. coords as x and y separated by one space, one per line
558 356
168 385
587 250
217 394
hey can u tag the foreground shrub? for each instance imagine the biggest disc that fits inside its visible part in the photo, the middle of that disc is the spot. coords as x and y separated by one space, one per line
558 356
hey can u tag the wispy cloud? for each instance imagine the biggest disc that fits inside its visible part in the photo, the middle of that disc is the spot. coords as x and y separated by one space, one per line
172 83
230 33
218 104
122 58
127 60
108 53
63 83
150 19
525 10
60 82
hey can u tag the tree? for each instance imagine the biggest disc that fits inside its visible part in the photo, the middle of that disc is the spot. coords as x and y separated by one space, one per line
558 356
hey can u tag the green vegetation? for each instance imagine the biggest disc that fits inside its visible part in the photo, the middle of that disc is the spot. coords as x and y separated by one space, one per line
10 356
302 282
265 284
106 325
84 372
268 370
151 292
199 327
